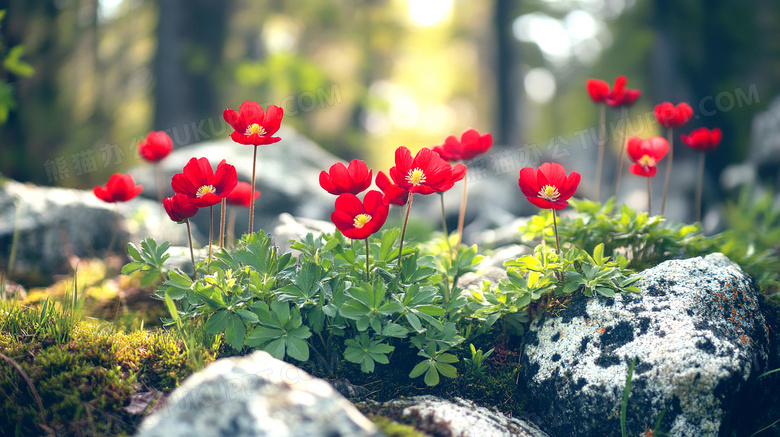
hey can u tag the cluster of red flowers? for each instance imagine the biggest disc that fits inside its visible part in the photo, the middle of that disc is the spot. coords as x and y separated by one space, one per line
619 95
429 171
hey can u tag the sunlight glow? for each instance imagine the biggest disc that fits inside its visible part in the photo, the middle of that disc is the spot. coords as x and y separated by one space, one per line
539 85
427 13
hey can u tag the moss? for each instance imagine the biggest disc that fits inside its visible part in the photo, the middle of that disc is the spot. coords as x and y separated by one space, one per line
84 383
392 428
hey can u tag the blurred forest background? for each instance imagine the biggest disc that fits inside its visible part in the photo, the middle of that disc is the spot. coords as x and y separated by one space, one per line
362 77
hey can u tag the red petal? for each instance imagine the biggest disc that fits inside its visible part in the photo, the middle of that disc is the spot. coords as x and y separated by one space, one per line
568 190
250 113
598 89
349 204
326 182
231 118
225 179
634 148
554 173
273 119
528 183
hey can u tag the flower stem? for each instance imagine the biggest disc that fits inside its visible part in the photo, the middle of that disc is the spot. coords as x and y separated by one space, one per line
222 222
368 277
649 198
192 252
462 213
602 144
700 187
403 230
557 245
159 178
231 229
115 230
252 194
555 228
670 139
444 227
211 233
624 114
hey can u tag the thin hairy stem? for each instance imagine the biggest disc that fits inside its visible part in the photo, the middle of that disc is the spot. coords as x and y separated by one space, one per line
649 198
403 230
211 232
444 226
624 114
222 211
670 139
462 213
699 187
252 194
368 277
192 251
602 146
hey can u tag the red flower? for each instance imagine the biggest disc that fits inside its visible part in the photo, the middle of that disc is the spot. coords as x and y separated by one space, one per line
670 116
598 90
179 207
356 219
458 173
620 95
119 188
425 174
241 194
155 147
471 144
646 154
340 179
703 139
203 186
253 127
548 187
393 193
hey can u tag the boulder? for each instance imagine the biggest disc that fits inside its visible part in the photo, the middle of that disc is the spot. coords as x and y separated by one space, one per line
53 224
451 418
696 331
287 176
256 395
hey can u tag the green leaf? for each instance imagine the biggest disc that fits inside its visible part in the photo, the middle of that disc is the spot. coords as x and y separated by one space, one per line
276 348
386 246
608 292
420 368
262 335
354 310
297 348
132 250
132 267
247 316
217 322
414 321
447 358
394 330
431 376
171 307
447 370
235 332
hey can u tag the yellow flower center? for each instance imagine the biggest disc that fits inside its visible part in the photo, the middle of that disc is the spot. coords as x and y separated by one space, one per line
646 161
549 192
202 191
415 177
254 128
361 220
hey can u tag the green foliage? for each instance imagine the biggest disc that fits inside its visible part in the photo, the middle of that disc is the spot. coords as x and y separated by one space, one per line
12 63
644 241
477 357
149 260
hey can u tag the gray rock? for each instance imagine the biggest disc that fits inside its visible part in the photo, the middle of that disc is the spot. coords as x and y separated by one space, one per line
287 176
695 329
256 395
459 417
765 137
289 228
55 223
